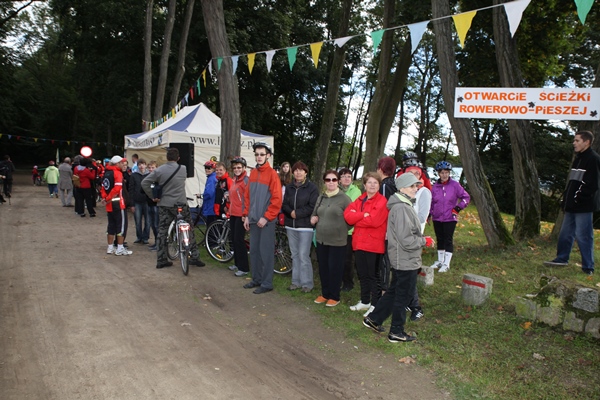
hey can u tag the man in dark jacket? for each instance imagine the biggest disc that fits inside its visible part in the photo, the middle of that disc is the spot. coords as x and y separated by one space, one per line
579 203
140 203
6 169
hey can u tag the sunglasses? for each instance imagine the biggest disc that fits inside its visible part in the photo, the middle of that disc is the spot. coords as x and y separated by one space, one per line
207 168
260 154
238 167
330 179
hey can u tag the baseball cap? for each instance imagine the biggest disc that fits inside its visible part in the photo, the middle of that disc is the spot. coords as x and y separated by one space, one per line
406 180
116 159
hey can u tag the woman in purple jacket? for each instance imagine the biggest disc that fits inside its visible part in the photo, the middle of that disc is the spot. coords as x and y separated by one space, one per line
448 198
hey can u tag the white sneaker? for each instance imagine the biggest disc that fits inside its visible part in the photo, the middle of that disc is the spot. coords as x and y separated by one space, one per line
233 268
360 306
436 265
445 268
369 311
110 250
123 252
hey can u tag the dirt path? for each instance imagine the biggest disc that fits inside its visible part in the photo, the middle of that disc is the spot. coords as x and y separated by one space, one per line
79 324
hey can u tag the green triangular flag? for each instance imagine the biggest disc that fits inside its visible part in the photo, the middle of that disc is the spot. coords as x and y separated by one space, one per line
376 36
219 62
291 53
583 8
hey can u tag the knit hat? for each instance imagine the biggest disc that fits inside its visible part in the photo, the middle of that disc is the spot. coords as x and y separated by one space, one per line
406 180
116 159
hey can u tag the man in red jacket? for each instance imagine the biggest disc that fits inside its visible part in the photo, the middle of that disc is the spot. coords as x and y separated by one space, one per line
262 202
112 198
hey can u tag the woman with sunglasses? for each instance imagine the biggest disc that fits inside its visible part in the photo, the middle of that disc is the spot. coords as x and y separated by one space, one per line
298 204
331 232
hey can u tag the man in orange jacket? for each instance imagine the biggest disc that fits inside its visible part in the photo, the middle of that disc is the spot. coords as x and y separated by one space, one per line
262 202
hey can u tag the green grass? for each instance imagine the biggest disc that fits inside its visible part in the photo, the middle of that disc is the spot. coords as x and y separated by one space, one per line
486 351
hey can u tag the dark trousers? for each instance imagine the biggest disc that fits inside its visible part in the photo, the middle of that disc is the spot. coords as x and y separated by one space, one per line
348 277
85 196
331 269
395 300
444 235
240 252
367 269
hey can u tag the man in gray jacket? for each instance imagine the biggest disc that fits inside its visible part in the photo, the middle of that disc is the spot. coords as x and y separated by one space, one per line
173 193
65 182
405 244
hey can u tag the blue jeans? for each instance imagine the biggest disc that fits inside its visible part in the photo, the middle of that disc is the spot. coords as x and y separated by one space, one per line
302 270
153 218
142 229
577 226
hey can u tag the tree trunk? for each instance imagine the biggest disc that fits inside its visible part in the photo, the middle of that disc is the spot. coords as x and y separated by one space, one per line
333 88
164 61
491 221
147 99
527 194
229 98
181 57
384 80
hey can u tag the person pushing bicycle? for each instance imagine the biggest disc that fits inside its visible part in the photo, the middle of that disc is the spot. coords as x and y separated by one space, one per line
171 177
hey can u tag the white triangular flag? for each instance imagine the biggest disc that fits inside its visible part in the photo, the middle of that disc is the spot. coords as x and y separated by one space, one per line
339 42
234 61
514 12
416 33
270 55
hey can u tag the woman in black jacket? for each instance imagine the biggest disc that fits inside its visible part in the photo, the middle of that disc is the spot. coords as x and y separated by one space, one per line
298 204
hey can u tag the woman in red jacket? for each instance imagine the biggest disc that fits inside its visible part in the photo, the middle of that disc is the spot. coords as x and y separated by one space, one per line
368 214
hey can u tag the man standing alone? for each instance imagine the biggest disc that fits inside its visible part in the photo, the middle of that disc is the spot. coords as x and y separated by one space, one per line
262 203
65 182
171 176
579 202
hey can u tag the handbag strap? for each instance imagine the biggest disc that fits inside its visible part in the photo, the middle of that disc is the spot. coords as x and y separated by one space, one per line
171 177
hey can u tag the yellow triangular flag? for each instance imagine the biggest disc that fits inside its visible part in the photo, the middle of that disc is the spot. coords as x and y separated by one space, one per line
315 49
35 139
204 76
463 23
251 62
69 142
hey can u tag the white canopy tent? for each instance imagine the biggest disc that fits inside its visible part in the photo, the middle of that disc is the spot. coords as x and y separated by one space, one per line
193 124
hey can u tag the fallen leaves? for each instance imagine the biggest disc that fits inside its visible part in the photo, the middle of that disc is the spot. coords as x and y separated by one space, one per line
206 297
186 324
538 356
407 360
526 325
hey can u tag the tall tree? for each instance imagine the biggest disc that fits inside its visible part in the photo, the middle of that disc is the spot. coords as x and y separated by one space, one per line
180 70
491 221
147 96
229 98
333 88
164 61
527 196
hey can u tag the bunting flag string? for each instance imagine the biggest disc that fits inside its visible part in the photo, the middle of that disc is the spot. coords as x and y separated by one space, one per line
462 22
33 139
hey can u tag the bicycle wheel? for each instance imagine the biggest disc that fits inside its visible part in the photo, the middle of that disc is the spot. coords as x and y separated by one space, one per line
218 241
184 251
283 255
172 245
200 230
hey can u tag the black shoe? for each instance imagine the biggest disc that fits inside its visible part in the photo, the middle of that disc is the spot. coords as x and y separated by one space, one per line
369 323
197 263
251 285
347 288
93 216
164 264
589 272
261 290
82 215
400 337
137 241
416 314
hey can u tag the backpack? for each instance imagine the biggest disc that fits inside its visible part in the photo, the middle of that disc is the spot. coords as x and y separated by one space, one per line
108 182
76 181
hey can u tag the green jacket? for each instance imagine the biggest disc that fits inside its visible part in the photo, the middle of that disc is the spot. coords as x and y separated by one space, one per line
353 192
51 175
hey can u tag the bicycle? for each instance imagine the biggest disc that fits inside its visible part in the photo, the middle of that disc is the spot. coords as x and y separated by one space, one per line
198 221
178 240
219 245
